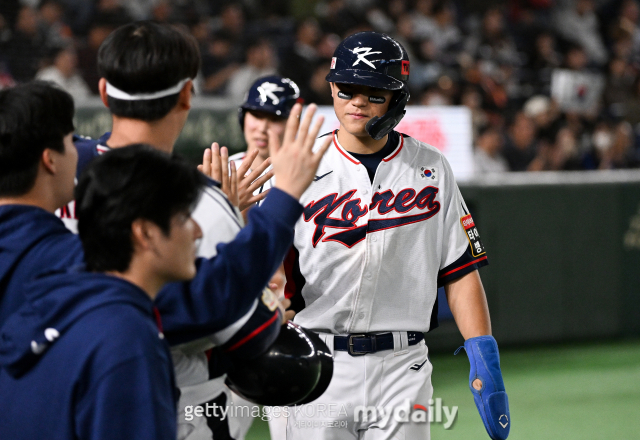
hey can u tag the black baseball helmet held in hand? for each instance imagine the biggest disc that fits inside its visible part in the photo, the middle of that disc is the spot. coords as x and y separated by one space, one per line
271 94
296 369
375 60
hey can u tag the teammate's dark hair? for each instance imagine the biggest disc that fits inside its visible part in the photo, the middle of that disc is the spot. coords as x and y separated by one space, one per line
126 184
33 117
146 57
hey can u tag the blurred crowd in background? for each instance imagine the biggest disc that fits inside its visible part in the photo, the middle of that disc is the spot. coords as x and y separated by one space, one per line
551 85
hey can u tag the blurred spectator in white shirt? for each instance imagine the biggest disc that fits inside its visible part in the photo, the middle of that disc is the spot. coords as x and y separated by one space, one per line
579 25
64 73
261 61
487 155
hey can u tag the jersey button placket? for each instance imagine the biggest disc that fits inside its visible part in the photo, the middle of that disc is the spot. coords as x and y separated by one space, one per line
362 300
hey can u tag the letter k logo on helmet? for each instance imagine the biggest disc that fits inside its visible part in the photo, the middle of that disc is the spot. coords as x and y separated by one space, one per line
267 91
361 56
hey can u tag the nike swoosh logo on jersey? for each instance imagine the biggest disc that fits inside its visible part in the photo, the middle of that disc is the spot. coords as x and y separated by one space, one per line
418 367
315 179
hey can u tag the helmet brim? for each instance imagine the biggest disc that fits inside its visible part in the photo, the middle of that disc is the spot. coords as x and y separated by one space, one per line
268 109
364 78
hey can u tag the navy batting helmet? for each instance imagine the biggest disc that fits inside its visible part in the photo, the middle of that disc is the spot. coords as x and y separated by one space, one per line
296 369
375 60
271 94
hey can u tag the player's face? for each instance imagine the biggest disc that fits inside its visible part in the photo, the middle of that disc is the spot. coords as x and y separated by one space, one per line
256 134
177 252
356 105
66 164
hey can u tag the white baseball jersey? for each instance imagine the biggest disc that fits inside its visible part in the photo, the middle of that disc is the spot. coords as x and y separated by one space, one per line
371 255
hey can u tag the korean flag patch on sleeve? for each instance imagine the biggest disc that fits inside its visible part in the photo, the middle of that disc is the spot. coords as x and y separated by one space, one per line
430 173
470 229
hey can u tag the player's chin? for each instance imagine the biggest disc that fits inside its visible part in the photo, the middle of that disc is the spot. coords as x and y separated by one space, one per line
356 128
185 273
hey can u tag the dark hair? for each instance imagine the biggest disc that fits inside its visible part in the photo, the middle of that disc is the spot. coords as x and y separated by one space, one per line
126 184
147 57
33 117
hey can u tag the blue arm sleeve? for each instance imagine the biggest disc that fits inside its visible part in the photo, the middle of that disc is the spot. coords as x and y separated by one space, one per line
491 400
227 285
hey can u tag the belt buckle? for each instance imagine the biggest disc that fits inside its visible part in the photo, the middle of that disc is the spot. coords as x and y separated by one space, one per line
350 346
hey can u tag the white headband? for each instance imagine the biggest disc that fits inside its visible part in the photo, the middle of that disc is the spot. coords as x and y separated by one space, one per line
116 93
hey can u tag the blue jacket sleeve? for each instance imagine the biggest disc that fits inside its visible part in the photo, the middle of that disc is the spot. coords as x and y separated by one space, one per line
227 285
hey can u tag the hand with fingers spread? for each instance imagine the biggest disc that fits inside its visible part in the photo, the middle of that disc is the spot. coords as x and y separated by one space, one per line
249 180
293 159
215 164
240 183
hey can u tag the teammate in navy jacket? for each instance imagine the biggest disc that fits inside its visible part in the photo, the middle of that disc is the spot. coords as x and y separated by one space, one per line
39 163
84 356
34 120
37 166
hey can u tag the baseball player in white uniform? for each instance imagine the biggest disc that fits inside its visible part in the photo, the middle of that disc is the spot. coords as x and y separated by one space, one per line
384 225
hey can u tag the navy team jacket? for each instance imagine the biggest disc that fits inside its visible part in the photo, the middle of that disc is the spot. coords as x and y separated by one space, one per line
32 241
83 358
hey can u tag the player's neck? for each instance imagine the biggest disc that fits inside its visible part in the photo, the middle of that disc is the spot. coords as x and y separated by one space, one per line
139 274
161 134
360 144
41 195
28 201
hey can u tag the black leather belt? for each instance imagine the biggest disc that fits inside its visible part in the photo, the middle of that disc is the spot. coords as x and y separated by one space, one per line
361 344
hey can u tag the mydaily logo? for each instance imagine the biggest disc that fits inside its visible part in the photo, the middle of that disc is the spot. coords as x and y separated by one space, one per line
405 413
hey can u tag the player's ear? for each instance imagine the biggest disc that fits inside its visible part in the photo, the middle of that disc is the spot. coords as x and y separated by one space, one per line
102 88
48 161
143 234
184 100
333 89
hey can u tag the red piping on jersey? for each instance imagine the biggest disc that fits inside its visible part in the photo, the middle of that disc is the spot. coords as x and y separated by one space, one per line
254 333
463 266
290 285
397 151
351 159
156 313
